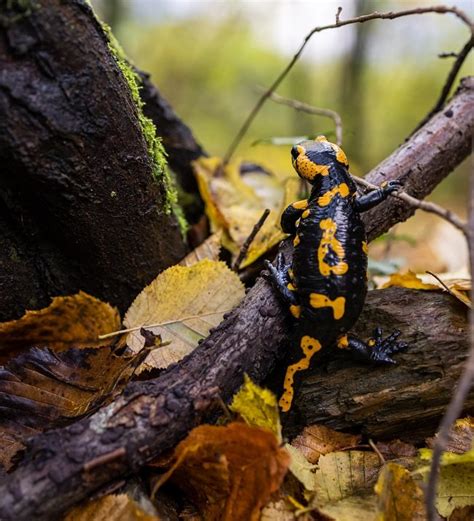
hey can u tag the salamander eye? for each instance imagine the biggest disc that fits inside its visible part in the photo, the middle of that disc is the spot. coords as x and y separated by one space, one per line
295 152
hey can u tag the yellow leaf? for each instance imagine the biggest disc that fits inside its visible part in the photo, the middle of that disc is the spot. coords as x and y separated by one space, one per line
110 508
318 439
41 389
209 249
229 472
74 321
303 471
257 406
205 290
399 496
461 436
234 204
408 280
458 288
455 482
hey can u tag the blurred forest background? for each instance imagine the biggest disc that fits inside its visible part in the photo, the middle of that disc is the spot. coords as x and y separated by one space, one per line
208 58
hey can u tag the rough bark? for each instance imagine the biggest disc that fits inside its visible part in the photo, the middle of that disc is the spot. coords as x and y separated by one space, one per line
423 161
78 201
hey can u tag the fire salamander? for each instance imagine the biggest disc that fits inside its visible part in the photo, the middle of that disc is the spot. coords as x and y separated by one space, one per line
326 285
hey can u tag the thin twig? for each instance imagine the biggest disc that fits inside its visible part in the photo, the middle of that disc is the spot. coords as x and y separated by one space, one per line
457 401
376 450
441 9
460 57
447 215
248 241
309 109
338 15
448 55
146 326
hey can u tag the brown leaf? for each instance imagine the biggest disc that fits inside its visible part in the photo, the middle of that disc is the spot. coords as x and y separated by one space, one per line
110 508
229 472
316 440
396 449
461 437
399 496
42 389
68 321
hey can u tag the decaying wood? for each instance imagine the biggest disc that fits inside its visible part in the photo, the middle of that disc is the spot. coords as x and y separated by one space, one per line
150 417
79 207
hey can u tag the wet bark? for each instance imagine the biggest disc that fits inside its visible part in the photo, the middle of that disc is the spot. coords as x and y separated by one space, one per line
79 206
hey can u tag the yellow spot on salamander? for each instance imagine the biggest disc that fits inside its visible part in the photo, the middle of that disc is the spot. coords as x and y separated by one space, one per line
343 342
342 190
300 205
296 241
338 305
371 342
305 214
295 310
291 274
365 247
321 138
328 240
291 287
340 155
309 346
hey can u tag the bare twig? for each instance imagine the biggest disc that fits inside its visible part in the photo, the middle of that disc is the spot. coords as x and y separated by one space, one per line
447 215
460 57
448 55
309 109
249 239
338 15
457 401
441 9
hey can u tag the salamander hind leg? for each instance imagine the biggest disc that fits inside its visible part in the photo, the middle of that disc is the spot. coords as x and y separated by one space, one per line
376 349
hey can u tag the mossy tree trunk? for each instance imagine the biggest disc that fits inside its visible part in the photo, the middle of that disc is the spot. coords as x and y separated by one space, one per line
85 202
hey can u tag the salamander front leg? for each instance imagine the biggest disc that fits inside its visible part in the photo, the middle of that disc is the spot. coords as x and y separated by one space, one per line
375 197
280 280
376 349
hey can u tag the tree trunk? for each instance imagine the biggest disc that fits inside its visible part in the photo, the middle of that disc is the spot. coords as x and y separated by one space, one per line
83 203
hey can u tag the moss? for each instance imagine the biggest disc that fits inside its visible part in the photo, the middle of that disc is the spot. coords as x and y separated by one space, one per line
155 147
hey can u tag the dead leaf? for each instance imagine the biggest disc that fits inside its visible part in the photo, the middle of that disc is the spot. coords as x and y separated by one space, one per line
455 482
409 280
204 290
344 485
42 389
110 508
461 437
209 249
235 202
279 511
74 321
458 288
257 406
396 449
399 496
302 469
317 439
229 472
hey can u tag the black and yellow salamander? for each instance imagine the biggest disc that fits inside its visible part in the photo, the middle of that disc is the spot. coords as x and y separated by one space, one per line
326 284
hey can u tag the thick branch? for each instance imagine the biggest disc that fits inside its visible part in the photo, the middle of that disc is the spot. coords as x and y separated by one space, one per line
151 417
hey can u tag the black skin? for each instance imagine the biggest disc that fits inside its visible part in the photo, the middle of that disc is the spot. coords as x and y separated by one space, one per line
329 263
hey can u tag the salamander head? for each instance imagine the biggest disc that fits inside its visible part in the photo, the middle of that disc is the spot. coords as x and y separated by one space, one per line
314 158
